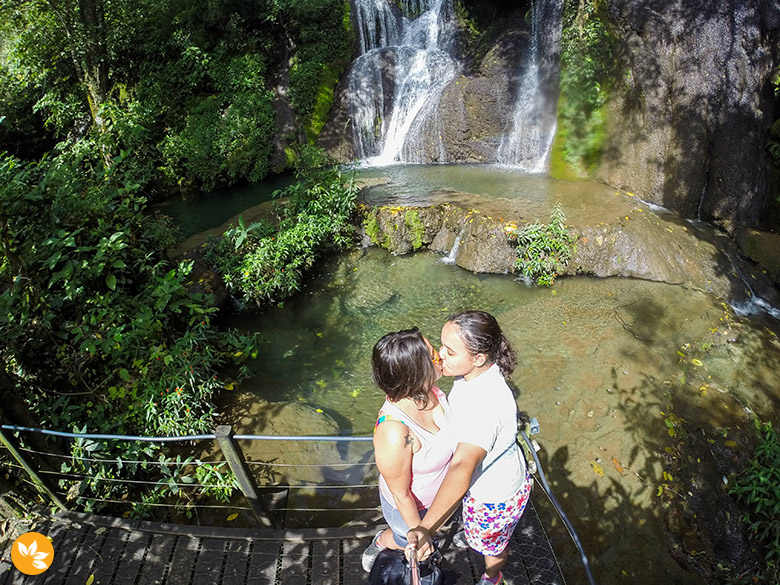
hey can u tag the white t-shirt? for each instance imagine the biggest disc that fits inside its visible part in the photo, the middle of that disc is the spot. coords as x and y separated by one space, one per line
484 413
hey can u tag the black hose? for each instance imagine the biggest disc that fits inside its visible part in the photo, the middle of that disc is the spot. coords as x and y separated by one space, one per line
562 514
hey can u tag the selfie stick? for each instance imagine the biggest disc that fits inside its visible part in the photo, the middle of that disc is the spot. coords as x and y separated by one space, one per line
413 566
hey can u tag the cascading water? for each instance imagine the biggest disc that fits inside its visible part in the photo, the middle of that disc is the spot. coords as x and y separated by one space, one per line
396 81
532 125
453 255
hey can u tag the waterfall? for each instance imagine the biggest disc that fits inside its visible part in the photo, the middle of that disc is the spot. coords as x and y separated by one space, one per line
453 255
396 81
532 124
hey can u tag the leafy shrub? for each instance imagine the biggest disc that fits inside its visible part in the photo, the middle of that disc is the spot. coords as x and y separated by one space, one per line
222 140
543 250
97 327
261 264
758 488
324 41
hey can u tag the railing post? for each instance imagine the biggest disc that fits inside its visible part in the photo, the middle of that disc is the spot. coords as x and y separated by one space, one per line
235 459
37 479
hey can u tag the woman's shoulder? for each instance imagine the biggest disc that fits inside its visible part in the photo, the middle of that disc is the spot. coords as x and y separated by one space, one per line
390 432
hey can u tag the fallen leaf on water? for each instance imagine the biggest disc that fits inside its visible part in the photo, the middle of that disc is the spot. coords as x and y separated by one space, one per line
618 467
232 517
696 362
597 468
91 579
732 444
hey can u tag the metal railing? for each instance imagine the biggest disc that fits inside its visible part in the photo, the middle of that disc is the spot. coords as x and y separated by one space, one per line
254 479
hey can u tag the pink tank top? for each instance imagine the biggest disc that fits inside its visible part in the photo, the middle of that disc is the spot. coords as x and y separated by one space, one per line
430 463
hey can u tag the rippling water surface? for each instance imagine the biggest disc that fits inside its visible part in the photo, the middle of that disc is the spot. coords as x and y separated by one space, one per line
603 363
599 360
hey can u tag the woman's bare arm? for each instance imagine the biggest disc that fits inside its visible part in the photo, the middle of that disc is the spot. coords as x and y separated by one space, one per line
394 448
455 485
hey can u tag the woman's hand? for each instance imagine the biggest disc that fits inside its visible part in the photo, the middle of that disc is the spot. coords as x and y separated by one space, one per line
420 539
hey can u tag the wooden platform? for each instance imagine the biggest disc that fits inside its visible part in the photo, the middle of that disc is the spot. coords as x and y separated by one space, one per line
120 552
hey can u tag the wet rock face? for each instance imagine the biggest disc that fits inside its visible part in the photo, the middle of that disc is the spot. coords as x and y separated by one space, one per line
338 135
484 247
475 107
473 111
641 244
479 241
689 119
763 248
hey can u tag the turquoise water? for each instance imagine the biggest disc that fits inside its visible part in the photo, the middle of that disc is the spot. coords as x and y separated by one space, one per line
598 361
602 362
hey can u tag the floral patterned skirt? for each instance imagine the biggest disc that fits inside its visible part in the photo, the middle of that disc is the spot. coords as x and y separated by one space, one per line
489 527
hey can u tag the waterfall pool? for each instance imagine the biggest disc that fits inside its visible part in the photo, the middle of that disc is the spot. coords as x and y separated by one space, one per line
616 370
600 363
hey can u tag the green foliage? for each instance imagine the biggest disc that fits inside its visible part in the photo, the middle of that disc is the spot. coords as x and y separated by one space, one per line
104 471
96 325
260 263
222 142
543 250
587 62
181 89
758 488
324 40
416 228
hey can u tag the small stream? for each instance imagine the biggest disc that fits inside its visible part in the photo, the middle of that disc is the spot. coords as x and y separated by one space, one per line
602 363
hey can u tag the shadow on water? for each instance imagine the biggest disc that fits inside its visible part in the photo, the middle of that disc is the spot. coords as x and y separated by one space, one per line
606 365
670 488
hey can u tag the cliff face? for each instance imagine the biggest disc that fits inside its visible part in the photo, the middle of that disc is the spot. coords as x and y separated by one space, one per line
688 124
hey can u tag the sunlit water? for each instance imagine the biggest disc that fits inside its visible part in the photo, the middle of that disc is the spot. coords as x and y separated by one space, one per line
601 361
597 359
495 190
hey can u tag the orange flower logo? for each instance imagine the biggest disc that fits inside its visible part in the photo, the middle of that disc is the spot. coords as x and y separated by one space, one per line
32 553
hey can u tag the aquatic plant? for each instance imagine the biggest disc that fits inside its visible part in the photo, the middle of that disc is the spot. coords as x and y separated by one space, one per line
543 249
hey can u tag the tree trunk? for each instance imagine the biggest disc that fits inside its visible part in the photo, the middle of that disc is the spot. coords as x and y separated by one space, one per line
95 62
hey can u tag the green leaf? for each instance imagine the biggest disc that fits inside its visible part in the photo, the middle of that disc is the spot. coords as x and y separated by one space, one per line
111 281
